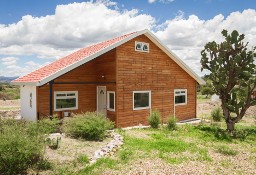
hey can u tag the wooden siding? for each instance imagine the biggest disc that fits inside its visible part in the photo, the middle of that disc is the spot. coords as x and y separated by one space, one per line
89 72
154 71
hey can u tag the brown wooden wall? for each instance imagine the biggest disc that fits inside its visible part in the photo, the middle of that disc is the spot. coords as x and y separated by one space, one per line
155 71
89 72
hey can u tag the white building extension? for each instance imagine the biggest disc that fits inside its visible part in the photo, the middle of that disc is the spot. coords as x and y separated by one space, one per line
28 102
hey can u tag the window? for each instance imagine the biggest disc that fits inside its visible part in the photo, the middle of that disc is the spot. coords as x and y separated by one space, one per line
65 100
111 101
180 96
141 100
141 47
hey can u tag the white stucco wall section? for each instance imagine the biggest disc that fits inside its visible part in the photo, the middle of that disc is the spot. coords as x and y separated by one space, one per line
28 103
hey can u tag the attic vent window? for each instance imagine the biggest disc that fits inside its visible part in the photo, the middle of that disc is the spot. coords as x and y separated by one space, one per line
141 47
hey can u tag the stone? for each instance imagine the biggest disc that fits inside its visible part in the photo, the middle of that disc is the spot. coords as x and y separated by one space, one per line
110 148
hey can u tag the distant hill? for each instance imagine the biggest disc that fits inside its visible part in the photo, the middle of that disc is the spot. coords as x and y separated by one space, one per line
7 79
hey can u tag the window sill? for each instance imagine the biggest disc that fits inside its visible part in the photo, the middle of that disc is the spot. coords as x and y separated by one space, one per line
141 108
181 104
65 109
112 110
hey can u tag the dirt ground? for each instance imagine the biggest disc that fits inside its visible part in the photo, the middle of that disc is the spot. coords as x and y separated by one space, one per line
70 149
204 110
10 109
10 103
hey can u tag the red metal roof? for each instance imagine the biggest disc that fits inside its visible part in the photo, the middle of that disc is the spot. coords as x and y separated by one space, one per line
64 62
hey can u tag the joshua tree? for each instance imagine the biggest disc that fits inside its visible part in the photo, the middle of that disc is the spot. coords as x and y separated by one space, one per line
233 74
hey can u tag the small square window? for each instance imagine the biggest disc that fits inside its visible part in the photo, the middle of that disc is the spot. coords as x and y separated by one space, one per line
111 100
145 47
139 46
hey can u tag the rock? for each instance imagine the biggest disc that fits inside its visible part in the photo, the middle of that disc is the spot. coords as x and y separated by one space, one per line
110 148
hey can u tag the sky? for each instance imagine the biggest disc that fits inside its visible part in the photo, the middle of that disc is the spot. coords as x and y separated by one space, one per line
34 33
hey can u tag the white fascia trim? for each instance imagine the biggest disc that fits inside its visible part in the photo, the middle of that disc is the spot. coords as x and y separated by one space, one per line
83 61
24 83
177 60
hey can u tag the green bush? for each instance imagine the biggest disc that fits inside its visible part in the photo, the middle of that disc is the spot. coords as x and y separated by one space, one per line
44 164
48 125
216 114
21 146
154 119
89 125
10 92
172 123
83 159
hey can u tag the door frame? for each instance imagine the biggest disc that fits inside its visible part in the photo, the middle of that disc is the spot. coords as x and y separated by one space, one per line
98 97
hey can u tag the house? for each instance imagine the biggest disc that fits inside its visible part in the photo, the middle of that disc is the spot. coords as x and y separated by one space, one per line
124 78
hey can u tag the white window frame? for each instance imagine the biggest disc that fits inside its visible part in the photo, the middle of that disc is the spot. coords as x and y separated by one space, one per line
65 97
140 108
186 96
108 100
137 42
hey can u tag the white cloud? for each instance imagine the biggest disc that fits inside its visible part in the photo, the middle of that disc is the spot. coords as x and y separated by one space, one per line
161 1
71 27
107 3
151 1
187 37
12 69
9 61
166 1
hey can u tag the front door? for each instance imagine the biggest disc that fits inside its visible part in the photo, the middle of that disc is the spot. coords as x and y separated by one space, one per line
101 100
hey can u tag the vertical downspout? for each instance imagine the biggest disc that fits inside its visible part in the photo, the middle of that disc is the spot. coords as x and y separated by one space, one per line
50 97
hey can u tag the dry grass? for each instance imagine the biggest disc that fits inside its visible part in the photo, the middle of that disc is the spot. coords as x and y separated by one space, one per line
70 149
203 157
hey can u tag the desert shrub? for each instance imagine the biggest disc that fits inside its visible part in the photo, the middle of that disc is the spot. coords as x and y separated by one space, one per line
10 92
83 159
43 164
48 125
216 114
154 119
1 88
89 125
171 123
21 147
